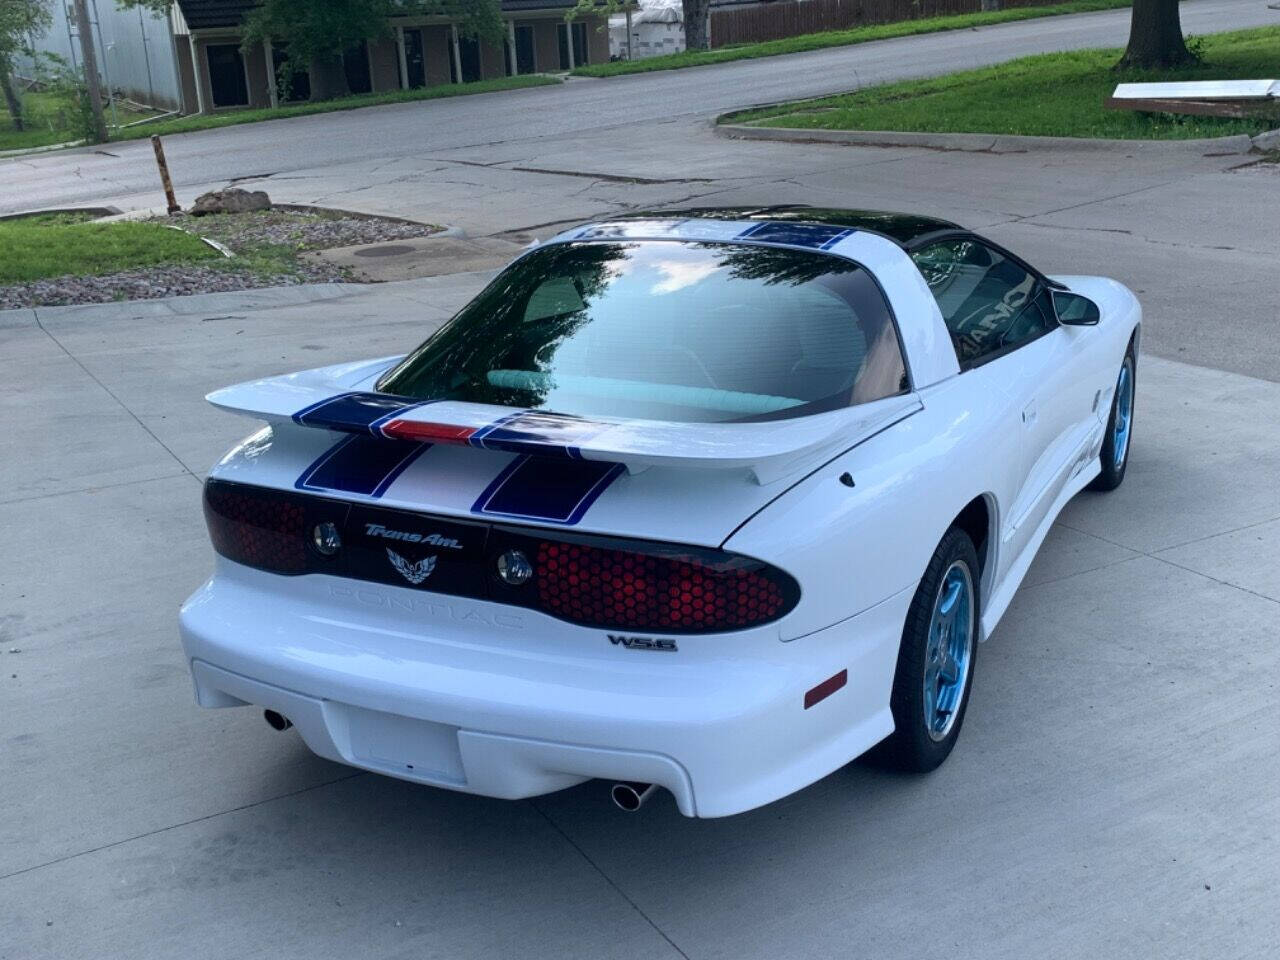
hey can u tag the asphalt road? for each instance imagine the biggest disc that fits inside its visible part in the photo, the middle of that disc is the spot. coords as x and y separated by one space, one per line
613 113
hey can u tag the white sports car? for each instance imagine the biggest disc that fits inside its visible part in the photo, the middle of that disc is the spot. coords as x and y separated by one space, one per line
714 500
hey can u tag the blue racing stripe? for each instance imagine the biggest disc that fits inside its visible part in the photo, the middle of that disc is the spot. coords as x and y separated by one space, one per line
354 412
796 234
362 465
542 488
544 434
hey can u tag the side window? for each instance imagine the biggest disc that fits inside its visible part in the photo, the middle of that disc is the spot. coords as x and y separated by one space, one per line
989 303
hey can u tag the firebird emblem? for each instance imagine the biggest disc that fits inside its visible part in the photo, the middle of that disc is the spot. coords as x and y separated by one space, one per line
415 573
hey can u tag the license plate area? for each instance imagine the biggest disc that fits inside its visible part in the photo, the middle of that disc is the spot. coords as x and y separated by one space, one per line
404 746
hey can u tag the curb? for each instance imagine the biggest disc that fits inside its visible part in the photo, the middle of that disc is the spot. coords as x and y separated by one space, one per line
995 143
28 151
256 298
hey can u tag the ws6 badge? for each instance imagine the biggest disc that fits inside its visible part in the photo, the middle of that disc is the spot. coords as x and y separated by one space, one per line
642 643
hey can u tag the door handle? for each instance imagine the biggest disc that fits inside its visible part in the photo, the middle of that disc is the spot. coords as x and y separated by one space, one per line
1029 413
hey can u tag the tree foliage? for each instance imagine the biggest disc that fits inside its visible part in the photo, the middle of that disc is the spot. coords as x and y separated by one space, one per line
20 22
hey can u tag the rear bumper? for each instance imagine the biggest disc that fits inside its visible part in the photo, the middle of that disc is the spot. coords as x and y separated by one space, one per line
468 701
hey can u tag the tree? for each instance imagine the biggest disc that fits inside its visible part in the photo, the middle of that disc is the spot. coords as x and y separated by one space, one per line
316 33
20 21
696 34
1155 37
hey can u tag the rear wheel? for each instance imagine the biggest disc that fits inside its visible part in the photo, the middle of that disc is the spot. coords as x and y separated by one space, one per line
935 662
1115 445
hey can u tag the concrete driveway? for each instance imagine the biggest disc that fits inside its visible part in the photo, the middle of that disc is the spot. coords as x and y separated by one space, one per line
1115 792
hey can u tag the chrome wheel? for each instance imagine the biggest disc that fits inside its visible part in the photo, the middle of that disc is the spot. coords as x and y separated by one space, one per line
1123 415
950 650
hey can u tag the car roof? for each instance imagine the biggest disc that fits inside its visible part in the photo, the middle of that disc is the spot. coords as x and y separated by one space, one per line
903 229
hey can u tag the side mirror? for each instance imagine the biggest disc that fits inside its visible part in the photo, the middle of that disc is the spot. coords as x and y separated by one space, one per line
1075 310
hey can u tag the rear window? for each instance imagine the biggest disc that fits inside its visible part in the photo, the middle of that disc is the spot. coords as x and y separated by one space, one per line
665 330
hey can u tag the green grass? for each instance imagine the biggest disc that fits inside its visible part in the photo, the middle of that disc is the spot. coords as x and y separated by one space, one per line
1058 94
48 120
49 124
36 248
841 38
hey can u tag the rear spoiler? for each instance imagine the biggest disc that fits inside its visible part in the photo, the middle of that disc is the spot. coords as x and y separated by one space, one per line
341 399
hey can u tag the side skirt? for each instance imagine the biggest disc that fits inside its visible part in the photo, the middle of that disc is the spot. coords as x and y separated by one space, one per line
1003 596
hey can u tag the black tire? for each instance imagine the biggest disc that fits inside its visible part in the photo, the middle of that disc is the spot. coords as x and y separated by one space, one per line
1112 474
912 747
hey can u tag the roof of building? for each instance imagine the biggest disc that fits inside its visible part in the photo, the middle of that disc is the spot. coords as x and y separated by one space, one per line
204 14
903 228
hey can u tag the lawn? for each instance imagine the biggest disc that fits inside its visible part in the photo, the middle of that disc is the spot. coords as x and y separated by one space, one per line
47 120
841 38
1059 94
35 248
49 124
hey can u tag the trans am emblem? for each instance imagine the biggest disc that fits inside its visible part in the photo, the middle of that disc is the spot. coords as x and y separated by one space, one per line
415 573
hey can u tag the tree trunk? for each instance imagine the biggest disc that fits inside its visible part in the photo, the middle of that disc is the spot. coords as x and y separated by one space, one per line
696 34
328 78
1155 37
11 98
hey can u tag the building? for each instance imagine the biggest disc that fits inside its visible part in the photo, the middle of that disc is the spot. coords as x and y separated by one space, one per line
217 74
135 48
656 28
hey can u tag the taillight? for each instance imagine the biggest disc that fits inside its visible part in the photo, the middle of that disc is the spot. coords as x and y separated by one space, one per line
657 588
610 583
257 527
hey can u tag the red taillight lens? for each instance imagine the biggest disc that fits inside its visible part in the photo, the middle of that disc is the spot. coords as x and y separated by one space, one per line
257 527
660 590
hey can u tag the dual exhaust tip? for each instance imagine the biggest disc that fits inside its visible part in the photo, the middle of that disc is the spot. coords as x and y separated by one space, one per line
628 797
276 721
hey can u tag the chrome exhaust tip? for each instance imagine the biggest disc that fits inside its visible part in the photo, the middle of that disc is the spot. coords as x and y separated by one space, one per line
276 721
630 797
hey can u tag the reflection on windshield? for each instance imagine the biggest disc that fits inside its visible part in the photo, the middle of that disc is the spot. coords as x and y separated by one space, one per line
668 330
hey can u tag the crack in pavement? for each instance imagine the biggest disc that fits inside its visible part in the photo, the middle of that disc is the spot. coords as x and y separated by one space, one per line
107 390
176 826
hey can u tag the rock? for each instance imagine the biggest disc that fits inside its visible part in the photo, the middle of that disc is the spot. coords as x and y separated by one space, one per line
231 200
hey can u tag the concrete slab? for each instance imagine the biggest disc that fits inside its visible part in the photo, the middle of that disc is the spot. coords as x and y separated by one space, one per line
1206 460
295 876
1118 757
1248 558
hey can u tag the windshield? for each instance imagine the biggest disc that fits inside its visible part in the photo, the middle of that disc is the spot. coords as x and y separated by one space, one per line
665 330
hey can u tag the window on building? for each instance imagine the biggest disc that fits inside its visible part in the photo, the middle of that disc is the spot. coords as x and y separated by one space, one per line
415 59
355 62
292 81
469 54
227 83
526 60
578 31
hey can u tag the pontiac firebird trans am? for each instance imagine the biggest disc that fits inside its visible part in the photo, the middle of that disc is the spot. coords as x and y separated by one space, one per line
713 500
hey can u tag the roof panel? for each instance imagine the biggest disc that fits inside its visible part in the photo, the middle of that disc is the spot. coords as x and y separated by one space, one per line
900 227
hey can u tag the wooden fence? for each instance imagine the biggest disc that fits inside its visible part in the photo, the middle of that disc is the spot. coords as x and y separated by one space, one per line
789 18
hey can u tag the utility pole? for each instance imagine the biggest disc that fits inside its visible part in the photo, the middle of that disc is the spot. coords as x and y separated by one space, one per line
90 60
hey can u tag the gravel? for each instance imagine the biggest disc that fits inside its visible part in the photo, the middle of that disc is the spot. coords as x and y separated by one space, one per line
269 242
303 231
154 282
